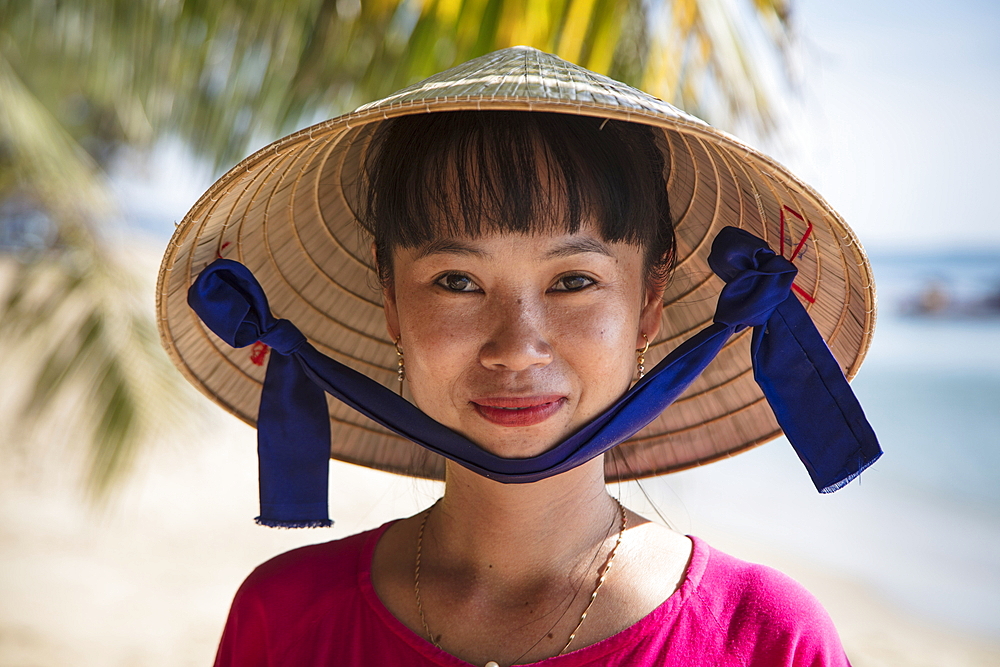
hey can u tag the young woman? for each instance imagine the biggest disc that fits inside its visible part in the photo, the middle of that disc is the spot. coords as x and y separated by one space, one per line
522 254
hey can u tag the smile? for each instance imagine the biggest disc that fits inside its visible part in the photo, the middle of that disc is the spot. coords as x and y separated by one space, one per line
518 411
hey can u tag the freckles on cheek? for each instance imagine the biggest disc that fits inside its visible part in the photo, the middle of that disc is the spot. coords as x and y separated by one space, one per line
597 326
434 336
597 346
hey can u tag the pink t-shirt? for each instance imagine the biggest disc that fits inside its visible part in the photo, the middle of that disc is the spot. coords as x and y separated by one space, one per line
316 606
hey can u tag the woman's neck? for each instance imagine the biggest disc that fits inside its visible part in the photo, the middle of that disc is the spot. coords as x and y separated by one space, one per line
506 571
520 532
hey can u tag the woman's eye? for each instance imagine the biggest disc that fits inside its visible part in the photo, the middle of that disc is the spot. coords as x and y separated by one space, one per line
572 283
456 282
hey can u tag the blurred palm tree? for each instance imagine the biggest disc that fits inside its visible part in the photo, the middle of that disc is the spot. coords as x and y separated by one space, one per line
81 79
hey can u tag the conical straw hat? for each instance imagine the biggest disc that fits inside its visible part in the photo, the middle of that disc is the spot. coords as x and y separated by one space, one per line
286 213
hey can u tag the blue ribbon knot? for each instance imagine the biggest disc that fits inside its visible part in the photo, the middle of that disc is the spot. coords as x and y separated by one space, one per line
757 279
800 378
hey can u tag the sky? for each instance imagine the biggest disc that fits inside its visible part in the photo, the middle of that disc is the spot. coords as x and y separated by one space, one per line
893 123
898 119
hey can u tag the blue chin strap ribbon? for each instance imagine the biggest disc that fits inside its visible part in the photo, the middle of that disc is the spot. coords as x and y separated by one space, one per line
799 376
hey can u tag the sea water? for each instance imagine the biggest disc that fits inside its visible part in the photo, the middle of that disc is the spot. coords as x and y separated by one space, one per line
921 526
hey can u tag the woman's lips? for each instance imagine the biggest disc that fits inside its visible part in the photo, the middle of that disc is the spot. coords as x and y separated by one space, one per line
518 410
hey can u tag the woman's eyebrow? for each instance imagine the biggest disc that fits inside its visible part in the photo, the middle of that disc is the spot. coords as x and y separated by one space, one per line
576 247
452 247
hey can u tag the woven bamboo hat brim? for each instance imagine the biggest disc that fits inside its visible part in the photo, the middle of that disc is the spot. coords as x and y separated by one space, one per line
286 213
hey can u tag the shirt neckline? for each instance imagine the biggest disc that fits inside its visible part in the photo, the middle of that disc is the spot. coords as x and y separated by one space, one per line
692 579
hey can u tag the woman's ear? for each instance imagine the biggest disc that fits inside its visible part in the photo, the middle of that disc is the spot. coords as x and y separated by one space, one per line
650 318
391 315
388 302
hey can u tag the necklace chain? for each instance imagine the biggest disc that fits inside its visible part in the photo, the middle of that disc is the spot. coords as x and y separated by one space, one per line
416 578
593 596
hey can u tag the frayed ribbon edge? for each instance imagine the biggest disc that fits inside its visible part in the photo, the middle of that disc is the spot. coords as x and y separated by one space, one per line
279 523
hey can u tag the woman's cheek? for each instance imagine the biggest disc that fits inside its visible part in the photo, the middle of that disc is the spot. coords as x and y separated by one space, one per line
597 343
440 334
597 329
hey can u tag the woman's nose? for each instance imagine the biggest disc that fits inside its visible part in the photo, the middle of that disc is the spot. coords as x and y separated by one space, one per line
516 342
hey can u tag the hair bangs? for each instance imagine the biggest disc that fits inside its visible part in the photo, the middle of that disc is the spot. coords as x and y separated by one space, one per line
471 173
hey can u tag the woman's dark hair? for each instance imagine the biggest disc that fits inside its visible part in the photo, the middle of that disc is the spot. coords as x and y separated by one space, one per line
435 175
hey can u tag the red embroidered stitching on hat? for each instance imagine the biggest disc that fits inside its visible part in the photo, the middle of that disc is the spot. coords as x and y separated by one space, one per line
798 248
258 352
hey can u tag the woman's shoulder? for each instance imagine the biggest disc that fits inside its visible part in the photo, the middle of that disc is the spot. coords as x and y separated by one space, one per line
290 606
761 609
749 587
328 566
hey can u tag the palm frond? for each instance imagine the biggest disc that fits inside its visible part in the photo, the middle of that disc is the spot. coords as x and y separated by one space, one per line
95 373
70 317
227 75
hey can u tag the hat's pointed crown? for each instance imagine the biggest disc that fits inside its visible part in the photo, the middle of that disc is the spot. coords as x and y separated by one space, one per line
522 73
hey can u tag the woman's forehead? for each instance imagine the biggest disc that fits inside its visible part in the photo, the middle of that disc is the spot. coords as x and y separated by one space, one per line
542 244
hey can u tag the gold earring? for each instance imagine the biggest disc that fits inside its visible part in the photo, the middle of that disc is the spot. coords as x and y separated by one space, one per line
641 358
400 366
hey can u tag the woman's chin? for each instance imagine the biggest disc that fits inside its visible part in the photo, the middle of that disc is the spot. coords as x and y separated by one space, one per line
517 443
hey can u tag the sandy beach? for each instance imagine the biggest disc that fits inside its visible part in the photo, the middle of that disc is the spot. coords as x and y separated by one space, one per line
147 580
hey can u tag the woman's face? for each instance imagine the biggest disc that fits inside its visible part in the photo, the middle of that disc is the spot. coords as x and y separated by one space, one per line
516 341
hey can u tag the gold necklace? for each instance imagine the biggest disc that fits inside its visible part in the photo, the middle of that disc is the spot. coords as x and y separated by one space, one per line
583 616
